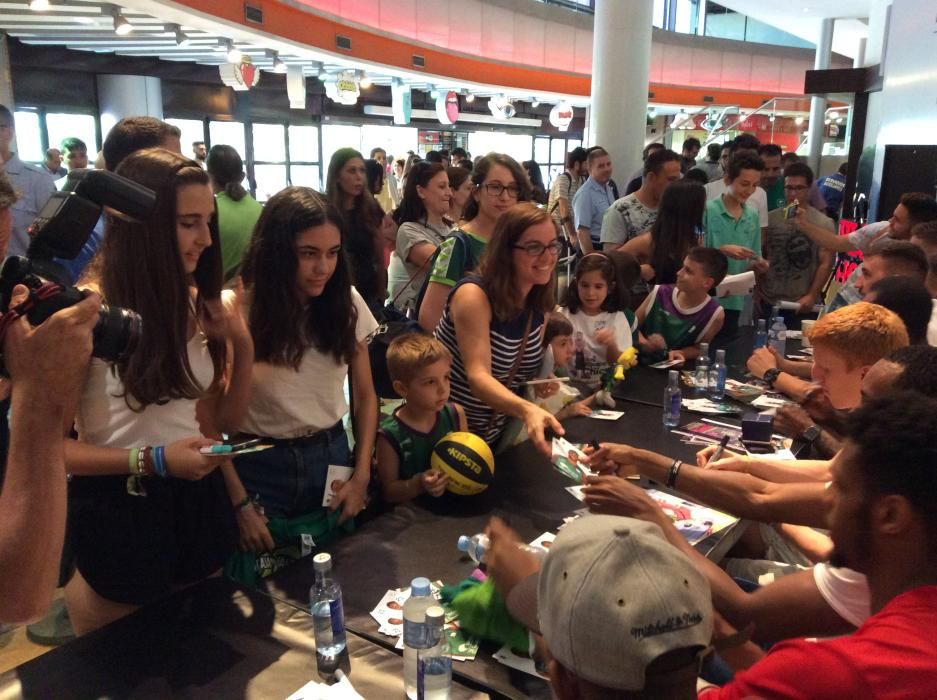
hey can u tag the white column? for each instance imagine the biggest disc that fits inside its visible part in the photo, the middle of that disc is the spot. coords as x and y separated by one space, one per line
621 61
818 104
6 80
122 96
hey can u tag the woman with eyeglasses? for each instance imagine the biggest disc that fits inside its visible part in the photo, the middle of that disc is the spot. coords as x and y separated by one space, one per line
499 183
493 323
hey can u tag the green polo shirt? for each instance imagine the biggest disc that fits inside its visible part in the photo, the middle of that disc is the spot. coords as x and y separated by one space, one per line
776 196
236 221
722 229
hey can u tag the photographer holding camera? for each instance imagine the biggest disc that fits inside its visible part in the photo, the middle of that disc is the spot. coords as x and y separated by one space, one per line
46 365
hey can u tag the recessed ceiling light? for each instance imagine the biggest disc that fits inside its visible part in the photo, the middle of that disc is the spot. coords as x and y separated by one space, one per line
365 82
470 98
38 5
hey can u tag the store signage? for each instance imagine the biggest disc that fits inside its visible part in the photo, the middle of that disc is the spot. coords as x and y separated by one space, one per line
401 101
561 115
239 76
447 108
501 108
296 87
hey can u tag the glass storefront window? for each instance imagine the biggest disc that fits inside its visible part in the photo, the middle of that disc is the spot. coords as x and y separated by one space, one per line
269 142
306 176
395 140
542 150
192 130
518 146
230 133
28 140
304 144
61 126
270 179
558 151
336 136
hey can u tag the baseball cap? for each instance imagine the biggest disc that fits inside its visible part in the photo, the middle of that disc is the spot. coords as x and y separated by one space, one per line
611 597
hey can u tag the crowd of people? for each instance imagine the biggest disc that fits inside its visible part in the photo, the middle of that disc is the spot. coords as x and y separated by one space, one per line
259 322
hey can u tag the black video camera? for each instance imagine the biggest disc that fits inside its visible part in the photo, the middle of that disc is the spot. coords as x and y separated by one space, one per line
61 230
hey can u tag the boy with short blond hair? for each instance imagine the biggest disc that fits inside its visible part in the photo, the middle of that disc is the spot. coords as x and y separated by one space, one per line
419 367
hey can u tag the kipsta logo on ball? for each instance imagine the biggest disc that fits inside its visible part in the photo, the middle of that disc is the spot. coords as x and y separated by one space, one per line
467 460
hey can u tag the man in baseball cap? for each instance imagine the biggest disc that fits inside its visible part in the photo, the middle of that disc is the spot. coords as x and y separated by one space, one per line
623 613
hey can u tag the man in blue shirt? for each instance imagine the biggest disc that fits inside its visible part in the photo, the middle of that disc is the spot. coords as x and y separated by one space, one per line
33 185
592 199
832 188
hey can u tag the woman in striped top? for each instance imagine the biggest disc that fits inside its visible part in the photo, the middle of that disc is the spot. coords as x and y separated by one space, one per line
486 318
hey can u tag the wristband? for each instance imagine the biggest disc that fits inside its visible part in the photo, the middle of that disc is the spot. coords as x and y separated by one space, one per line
132 459
673 473
159 461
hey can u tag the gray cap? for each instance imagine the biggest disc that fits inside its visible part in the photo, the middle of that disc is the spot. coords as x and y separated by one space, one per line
612 596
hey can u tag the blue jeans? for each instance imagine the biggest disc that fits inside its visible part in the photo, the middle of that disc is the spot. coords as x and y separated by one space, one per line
291 480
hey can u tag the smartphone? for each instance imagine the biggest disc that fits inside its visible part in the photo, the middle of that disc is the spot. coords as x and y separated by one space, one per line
790 211
236 448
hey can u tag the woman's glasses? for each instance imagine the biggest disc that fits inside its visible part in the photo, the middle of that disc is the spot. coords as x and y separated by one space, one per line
495 189
535 250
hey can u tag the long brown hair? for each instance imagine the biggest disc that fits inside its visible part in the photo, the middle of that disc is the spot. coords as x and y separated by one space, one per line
283 328
480 173
139 267
497 266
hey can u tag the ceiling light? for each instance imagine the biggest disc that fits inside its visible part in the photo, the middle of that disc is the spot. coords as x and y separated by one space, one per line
771 118
535 103
121 26
232 53
434 93
365 81
470 98
798 121
38 5
278 65
181 37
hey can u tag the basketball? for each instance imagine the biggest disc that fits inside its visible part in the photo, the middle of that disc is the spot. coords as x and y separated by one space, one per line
467 460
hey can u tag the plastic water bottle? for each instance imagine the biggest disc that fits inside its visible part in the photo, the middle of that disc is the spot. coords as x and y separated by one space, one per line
434 664
415 631
325 599
477 547
717 376
701 374
672 399
777 337
761 335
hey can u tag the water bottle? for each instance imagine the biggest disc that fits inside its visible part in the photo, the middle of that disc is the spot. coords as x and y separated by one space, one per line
434 664
415 631
325 599
777 340
717 376
477 547
761 335
701 375
672 399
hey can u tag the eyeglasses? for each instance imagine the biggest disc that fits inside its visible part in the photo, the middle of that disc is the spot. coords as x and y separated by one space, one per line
535 250
495 189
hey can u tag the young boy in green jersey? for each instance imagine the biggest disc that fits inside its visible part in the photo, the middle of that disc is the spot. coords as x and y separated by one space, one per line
419 367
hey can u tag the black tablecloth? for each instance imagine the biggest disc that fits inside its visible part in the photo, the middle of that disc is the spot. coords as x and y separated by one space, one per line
215 639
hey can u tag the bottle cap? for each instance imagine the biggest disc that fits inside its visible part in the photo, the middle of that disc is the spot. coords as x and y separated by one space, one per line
419 586
463 544
435 615
322 562
720 355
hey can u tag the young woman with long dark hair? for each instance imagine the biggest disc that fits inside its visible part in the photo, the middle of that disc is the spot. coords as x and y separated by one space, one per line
460 188
498 183
237 210
147 511
679 224
347 190
421 230
310 329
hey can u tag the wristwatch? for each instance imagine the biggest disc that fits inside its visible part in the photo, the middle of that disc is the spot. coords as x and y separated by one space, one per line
771 376
811 433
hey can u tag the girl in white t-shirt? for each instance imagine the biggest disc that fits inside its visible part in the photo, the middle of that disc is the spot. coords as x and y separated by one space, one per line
148 512
310 329
596 306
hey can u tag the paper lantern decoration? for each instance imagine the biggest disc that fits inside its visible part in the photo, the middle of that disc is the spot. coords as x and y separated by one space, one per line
239 76
447 108
561 115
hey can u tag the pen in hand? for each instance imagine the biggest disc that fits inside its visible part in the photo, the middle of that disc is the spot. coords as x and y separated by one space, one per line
720 448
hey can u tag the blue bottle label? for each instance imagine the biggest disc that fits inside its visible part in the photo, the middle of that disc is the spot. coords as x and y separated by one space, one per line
416 635
338 616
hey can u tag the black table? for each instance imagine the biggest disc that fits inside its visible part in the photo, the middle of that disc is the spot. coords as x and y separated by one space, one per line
420 539
215 639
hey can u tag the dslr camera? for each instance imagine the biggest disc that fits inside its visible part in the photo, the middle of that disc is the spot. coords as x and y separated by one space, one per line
61 230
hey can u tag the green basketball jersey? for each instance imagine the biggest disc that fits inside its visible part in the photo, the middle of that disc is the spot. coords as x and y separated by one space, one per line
413 448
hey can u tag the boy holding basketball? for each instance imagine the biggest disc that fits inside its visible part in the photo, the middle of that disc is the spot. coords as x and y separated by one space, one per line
419 369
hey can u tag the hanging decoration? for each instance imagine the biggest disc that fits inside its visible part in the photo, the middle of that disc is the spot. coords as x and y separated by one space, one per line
296 87
447 107
401 101
239 76
561 115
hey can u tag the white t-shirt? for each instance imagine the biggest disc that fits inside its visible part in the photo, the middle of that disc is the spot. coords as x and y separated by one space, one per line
104 419
758 201
845 590
288 403
589 357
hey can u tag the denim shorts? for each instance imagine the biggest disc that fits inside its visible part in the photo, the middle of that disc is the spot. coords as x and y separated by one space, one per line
290 480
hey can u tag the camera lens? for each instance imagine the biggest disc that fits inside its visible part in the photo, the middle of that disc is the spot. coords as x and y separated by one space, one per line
117 333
